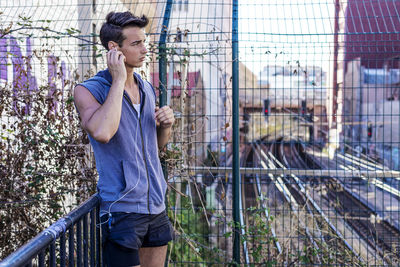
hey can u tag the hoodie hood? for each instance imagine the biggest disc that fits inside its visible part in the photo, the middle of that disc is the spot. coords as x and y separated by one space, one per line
105 77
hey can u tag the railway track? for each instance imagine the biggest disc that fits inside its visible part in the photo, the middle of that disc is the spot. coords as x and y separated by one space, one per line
315 229
377 232
310 242
325 232
253 199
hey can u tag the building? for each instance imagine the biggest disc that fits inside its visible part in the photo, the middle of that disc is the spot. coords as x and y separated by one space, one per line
365 95
288 86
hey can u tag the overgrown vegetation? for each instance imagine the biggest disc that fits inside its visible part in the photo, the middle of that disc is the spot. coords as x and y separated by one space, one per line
44 162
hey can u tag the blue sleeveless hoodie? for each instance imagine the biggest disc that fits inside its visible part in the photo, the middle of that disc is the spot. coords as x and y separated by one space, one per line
130 174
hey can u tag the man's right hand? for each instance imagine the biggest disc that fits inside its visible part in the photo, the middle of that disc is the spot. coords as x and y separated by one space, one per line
116 65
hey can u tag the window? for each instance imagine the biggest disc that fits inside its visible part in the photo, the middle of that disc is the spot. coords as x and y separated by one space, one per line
178 35
179 5
186 5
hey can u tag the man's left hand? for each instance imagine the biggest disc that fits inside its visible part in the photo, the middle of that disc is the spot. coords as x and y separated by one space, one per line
164 117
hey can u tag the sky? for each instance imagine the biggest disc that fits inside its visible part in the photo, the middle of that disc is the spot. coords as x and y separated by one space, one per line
277 32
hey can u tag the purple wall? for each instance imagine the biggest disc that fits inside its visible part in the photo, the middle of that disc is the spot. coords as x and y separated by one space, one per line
3 59
20 75
24 82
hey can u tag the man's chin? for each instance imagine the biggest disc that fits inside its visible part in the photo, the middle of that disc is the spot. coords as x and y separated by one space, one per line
138 65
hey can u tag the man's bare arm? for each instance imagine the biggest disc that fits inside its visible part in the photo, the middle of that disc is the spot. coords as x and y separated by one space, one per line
164 119
163 135
102 121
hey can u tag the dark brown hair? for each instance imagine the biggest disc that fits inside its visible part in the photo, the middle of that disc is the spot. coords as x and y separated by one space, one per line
115 23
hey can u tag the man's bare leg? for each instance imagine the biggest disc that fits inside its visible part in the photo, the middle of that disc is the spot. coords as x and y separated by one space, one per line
152 256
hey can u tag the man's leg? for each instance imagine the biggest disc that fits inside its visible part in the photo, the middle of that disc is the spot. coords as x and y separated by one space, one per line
152 256
116 256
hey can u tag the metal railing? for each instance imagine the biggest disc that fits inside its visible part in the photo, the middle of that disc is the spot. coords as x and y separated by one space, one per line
51 248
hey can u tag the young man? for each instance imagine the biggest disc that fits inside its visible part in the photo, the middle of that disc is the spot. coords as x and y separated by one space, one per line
126 129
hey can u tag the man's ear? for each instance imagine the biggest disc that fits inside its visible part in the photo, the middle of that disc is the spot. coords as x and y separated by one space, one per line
112 44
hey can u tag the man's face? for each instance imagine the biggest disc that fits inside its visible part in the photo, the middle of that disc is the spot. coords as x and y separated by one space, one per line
133 47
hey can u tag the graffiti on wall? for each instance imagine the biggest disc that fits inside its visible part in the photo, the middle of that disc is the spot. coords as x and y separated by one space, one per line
24 81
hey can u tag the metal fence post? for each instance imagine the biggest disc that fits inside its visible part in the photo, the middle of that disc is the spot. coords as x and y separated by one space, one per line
162 66
235 109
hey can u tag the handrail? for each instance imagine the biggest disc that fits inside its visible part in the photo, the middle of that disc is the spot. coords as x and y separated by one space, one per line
43 240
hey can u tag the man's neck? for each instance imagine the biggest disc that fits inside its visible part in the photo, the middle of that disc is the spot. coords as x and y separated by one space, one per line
130 81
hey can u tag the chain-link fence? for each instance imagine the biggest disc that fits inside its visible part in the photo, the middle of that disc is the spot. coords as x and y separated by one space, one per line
305 92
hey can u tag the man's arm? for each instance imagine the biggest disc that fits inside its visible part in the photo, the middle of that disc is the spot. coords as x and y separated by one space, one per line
165 119
102 121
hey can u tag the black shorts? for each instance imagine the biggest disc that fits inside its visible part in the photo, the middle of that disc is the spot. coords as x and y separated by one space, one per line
125 233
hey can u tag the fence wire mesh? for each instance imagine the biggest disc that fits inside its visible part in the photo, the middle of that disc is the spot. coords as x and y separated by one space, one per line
318 111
